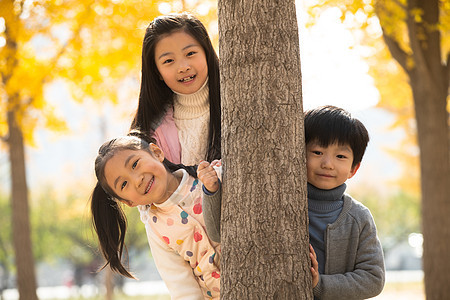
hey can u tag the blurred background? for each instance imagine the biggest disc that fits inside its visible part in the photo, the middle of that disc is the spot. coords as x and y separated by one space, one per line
77 78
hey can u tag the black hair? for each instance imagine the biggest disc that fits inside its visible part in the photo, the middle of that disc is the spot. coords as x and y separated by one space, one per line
329 124
155 96
108 217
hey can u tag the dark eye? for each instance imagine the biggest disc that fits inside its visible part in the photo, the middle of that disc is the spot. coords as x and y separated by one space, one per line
134 164
341 156
317 152
167 61
190 53
123 185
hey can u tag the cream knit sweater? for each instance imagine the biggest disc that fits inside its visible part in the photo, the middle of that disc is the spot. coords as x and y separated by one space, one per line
191 115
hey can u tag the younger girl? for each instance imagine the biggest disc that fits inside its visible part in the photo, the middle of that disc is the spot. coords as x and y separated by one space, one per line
169 198
179 101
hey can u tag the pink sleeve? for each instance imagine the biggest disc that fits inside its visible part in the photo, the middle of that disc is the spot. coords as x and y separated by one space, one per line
166 136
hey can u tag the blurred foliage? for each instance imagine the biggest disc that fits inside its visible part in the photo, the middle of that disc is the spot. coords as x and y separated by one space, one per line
396 215
92 45
369 20
62 227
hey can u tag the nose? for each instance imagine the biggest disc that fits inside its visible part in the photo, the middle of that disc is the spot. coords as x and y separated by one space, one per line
183 67
138 180
326 163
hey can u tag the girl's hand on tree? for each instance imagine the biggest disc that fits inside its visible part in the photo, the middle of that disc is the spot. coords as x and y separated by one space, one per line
208 175
314 267
216 163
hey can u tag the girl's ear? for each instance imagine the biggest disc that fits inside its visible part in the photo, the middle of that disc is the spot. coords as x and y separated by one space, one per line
127 203
353 170
157 152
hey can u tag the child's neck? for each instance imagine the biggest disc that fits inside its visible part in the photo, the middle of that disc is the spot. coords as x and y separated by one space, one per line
325 195
174 182
192 105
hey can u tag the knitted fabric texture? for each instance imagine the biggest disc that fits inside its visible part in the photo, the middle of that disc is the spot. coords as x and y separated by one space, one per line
191 115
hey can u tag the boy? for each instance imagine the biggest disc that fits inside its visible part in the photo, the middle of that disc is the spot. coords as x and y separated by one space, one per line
347 258
350 263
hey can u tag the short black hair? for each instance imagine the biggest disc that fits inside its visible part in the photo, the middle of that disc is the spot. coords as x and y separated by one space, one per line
326 125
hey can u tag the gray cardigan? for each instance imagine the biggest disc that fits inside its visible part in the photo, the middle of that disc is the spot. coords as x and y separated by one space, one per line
354 267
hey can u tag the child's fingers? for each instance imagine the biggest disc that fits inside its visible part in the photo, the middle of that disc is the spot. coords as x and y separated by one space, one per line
209 178
313 260
216 163
205 172
202 165
311 250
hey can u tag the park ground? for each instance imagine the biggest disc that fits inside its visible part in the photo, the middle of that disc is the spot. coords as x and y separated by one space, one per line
399 285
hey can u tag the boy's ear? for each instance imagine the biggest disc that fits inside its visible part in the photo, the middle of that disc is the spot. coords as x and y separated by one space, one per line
353 170
157 152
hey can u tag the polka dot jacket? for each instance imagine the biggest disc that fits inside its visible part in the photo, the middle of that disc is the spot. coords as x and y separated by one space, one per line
187 260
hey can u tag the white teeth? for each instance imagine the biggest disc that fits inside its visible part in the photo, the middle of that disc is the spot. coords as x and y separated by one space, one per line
149 185
187 78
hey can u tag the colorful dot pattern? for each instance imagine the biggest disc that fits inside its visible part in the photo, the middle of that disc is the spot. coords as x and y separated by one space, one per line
182 228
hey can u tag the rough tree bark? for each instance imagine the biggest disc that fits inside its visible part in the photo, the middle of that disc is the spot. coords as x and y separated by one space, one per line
429 79
26 280
264 210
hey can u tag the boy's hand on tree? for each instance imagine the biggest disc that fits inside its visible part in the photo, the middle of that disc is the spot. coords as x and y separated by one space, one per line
314 266
208 175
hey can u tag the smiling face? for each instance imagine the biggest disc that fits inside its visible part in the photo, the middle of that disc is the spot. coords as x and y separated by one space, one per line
140 178
329 167
181 62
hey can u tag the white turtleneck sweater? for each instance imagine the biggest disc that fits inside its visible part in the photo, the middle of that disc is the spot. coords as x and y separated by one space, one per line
191 115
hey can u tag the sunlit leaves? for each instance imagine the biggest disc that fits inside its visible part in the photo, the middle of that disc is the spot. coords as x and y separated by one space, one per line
390 79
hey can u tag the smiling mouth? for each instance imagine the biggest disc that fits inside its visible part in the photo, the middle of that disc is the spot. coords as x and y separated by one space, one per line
149 186
326 175
186 79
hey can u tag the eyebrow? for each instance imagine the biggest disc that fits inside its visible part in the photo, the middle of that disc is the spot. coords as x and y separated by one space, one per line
345 148
188 46
125 164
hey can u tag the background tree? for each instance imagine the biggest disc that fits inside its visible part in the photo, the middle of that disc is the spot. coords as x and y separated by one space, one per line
417 36
67 28
6 263
264 216
90 47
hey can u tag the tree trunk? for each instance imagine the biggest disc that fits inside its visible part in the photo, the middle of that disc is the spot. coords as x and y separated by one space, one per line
26 281
109 284
429 80
264 209
435 174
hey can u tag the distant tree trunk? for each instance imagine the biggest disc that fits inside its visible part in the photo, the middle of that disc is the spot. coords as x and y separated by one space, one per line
109 283
429 80
264 209
26 281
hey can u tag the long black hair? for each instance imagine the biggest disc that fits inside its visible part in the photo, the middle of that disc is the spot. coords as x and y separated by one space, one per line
155 96
108 217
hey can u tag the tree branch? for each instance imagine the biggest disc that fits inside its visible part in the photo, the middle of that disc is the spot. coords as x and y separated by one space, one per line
396 51
447 64
400 4
417 51
4 138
